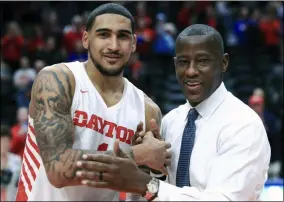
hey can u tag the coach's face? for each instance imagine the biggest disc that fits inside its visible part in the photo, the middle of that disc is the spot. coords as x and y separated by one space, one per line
199 64
110 43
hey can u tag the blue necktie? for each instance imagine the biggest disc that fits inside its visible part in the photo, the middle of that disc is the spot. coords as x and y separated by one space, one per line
182 178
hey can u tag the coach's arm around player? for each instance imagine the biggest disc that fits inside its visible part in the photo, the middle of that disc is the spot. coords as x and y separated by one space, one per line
51 100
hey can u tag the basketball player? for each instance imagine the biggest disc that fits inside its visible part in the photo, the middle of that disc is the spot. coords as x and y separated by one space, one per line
83 108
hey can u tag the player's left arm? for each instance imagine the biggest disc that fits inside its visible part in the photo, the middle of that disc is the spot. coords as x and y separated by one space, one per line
152 111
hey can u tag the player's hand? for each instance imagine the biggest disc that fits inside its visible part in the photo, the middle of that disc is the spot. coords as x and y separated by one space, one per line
138 135
157 153
118 172
155 129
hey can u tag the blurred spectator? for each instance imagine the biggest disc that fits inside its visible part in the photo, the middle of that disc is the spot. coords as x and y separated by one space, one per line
136 67
23 96
51 27
270 26
19 132
12 45
271 123
186 14
50 53
37 41
164 43
39 65
79 53
23 78
225 23
210 18
241 25
73 34
24 75
145 36
141 14
254 36
10 167
201 6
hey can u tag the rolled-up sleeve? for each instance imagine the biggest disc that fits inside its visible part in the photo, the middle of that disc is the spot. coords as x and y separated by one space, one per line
237 173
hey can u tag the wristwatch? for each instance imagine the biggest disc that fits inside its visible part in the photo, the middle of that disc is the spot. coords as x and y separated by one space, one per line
152 189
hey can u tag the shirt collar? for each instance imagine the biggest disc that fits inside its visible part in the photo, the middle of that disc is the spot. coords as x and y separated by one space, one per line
207 107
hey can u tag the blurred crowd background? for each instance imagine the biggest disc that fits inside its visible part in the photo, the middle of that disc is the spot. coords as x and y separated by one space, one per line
37 34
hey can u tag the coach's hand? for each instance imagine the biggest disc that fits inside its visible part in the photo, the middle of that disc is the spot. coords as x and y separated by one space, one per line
118 172
157 153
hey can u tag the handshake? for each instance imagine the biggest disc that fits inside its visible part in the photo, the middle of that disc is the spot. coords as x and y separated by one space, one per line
156 151
118 170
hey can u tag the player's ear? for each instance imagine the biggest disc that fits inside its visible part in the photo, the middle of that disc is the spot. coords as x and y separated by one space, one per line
134 43
85 40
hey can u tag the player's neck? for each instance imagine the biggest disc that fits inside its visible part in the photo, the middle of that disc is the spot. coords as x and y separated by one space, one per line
104 83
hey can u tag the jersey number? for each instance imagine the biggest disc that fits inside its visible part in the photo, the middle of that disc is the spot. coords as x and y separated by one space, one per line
103 147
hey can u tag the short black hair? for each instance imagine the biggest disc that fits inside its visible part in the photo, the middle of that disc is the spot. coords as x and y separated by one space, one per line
5 131
202 29
110 8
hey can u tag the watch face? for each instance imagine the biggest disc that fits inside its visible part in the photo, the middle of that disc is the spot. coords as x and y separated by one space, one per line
153 188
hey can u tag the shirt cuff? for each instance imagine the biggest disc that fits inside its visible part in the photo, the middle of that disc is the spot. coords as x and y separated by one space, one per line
166 190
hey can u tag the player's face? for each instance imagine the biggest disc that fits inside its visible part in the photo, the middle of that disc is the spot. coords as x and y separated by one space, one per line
199 66
110 43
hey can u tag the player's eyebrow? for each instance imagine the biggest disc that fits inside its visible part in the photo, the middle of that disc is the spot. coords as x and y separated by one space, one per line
109 30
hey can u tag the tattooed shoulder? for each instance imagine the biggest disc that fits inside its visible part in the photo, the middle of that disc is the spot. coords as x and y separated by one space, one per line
51 78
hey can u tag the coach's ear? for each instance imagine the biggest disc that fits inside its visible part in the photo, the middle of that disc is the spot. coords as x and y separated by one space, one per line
85 40
134 43
225 62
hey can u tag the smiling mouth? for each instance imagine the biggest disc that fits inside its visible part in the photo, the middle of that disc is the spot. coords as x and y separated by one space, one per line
193 84
111 57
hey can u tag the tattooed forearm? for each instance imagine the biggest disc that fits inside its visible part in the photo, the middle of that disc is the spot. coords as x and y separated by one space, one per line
54 129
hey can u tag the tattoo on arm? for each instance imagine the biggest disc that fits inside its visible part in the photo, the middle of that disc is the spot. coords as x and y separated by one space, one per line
53 124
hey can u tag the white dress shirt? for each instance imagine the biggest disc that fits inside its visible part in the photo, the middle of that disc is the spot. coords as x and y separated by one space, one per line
231 154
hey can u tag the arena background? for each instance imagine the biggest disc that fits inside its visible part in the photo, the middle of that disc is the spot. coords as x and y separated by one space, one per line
36 34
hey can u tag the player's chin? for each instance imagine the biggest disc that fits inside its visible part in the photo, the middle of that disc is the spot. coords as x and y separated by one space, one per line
113 71
113 65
